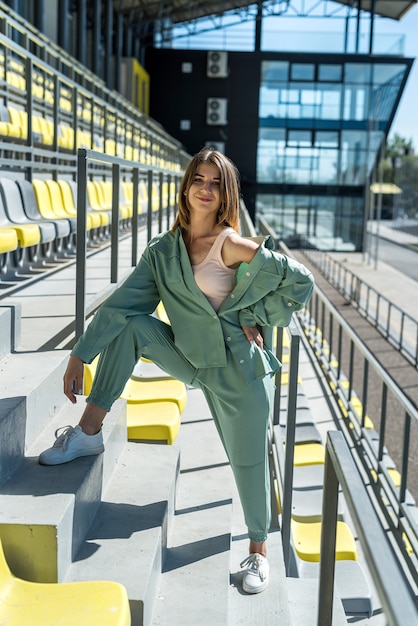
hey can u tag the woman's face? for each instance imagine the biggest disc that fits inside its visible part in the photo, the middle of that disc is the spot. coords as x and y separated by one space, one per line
204 194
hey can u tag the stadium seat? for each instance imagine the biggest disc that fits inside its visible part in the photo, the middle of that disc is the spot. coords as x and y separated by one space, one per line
57 201
12 200
62 227
7 128
159 422
47 209
8 240
29 235
140 391
99 218
309 454
82 603
153 421
307 541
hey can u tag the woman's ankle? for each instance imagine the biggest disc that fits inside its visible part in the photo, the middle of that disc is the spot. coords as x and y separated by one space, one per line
92 419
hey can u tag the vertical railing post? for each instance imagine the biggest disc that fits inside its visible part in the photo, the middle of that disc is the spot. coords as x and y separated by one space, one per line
149 208
114 254
289 447
168 201
160 206
135 188
328 543
81 251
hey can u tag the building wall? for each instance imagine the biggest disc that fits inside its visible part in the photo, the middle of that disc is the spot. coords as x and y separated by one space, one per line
179 96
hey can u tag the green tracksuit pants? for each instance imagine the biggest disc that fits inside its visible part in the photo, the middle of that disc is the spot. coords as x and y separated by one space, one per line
240 410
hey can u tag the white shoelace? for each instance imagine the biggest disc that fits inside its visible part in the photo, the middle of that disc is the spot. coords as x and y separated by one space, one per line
61 440
255 564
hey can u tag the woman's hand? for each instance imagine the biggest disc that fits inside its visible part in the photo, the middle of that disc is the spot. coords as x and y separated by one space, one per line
253 334
73 378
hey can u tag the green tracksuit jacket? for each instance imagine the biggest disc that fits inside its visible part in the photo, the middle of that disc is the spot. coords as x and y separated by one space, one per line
269 290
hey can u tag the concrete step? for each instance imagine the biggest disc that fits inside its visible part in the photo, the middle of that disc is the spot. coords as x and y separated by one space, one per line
303 603
127 541
272 605
10 325
31 387
195 580
45 512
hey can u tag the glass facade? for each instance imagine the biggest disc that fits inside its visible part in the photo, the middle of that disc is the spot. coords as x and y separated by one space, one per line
320 127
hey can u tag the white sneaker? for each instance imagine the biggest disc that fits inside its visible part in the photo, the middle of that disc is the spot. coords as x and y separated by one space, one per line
256 578
71 444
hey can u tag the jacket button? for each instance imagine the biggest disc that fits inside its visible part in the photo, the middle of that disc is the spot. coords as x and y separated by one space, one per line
289 304
232 295
241 361
228 338
248 273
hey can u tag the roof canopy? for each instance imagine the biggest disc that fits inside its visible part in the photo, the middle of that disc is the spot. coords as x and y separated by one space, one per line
395 9
179 11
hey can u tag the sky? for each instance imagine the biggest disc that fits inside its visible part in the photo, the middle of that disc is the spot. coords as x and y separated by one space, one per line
406 119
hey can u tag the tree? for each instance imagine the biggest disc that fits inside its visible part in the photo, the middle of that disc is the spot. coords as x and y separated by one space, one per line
396 148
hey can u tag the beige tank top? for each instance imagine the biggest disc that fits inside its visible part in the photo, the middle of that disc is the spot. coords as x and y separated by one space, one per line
212 276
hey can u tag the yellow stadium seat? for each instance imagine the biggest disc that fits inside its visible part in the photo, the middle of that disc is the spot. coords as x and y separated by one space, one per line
153 421
140 391
153 406
307 541
82 603
93 220
8 240
42 128
309 454
47 208
105 196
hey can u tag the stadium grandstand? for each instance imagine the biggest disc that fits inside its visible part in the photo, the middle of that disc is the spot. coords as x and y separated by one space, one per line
102 104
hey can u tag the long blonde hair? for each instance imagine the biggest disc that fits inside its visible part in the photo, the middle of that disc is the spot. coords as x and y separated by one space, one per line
229 188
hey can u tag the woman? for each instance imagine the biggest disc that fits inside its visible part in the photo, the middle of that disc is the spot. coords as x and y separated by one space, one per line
214 341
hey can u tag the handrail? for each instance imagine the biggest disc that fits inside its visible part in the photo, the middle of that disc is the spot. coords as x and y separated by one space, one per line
397 602
388 318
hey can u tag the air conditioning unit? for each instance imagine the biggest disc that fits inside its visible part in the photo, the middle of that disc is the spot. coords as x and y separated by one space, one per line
216 111
217 64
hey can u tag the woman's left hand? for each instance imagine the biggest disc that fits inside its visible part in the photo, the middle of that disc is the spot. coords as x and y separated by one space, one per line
253 334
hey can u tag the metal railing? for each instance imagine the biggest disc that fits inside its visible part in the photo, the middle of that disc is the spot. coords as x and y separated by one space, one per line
391 579
87 160
398 604
398 327
377 417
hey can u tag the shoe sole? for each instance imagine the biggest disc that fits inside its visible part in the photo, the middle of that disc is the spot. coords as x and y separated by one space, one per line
93 452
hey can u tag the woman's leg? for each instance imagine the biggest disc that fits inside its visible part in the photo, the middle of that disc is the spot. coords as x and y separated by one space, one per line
241 413
145 336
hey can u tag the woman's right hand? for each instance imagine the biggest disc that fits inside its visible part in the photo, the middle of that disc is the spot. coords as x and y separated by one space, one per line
73 378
